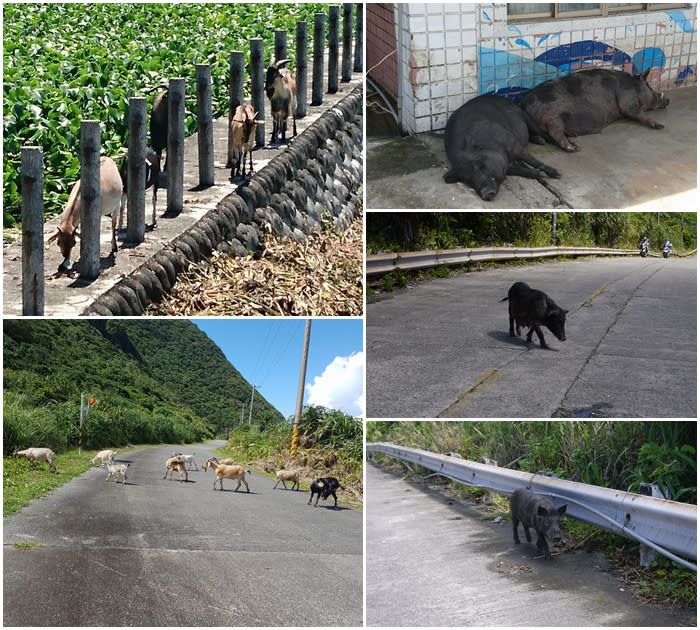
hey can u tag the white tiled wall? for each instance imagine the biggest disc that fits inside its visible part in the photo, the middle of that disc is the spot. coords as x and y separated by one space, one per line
450 53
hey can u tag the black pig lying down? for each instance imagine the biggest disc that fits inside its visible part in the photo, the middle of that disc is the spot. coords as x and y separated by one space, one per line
538 512
585 102
530 307
483 140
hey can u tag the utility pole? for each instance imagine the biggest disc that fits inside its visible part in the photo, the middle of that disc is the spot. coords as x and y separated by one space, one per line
554 228
300 392
250 415
242 412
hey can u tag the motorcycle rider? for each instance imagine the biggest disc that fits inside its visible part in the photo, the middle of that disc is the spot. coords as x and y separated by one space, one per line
644 247
667 247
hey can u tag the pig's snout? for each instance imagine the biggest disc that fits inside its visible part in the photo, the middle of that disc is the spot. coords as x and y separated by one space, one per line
562 338
490 190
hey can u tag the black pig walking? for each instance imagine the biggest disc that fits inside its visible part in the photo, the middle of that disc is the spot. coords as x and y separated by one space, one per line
538 512
530 307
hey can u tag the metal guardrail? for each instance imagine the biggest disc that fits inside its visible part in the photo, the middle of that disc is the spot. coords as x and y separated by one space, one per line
385 263
668 525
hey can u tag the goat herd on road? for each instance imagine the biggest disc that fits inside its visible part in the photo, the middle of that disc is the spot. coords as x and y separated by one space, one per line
323 487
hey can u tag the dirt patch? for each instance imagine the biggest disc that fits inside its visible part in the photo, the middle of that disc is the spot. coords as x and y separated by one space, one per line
323 276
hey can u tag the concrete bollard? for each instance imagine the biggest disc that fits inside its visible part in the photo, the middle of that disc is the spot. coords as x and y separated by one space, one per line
90 214
359 36
301 68
317 80
176 146
235 93
333 35
280 45
205 121
257 87
136 171
346 70
32 231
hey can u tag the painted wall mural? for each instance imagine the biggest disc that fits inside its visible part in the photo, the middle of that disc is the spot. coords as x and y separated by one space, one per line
513 67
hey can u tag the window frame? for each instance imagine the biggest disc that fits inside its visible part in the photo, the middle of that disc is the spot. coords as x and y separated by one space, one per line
604 10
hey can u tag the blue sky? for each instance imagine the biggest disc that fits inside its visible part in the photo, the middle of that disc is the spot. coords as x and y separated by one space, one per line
267 352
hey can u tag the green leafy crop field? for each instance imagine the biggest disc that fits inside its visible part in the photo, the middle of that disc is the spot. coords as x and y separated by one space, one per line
67 62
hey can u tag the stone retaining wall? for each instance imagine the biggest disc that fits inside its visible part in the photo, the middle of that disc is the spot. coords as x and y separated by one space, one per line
317 177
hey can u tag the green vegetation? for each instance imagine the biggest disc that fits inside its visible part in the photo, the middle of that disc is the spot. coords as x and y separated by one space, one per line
330 445
416 231
68 62
152 381
610 454
21 483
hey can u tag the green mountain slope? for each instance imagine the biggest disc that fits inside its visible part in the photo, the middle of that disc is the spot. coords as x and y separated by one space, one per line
159 380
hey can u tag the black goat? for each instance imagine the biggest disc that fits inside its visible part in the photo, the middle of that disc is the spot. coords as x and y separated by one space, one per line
325 487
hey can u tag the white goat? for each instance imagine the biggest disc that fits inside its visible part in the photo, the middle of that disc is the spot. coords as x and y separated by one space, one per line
242 139
229 472
110 205
188 459
104 456
173 464
38 454
288 475
117 470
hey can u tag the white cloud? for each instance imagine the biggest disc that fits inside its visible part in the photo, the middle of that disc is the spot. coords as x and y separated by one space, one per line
340 386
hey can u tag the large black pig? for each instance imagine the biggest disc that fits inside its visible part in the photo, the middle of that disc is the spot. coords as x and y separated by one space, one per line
530 307
483 140
585 102
538 512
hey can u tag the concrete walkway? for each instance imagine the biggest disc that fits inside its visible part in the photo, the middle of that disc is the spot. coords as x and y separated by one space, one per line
67 296
627 166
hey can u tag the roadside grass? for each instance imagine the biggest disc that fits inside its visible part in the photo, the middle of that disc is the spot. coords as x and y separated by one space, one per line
21 483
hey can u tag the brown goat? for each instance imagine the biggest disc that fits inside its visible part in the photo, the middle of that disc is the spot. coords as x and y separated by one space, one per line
173 464
229 472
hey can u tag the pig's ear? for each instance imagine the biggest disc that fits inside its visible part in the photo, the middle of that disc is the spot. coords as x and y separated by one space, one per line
645 74
561 510
541 511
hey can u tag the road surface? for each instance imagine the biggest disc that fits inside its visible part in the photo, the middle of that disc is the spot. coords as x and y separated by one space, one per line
431 561
442 349
164 553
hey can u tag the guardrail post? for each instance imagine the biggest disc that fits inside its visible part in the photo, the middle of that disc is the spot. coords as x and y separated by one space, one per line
136 171
90 214
346 69
206 125
235 93
32 231
176 145
317 80
333 20
257 88
359 36
301 68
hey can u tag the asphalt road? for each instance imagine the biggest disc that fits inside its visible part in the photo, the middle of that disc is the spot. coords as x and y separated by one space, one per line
442 349
164 553
433 561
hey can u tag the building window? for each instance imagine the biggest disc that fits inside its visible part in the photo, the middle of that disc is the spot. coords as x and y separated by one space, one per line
541 10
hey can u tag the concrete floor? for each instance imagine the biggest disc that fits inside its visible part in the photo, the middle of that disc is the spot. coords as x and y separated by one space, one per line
627 166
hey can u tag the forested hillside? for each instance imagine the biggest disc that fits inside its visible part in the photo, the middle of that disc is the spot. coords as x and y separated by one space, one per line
403 231
152 381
